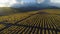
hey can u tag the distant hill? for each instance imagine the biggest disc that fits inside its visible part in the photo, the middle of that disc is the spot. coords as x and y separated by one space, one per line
7 11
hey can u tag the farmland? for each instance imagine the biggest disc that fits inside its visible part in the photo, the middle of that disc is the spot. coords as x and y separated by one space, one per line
37 22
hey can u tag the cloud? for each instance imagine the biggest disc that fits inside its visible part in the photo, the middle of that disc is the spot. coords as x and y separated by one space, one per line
7 3
3 1
55 1
23 2
18 3
40 1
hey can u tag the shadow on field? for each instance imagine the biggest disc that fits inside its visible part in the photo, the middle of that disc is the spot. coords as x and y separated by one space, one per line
43 12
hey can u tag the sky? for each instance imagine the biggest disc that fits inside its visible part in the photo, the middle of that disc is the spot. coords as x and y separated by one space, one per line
9 3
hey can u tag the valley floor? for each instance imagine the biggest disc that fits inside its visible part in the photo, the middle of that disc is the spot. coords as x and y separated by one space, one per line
38 22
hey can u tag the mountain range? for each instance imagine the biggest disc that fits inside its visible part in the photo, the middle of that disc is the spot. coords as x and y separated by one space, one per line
34 6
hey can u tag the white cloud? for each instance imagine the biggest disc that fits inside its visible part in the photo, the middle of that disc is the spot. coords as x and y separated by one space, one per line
22 2
7 3
55 1
3 1
40 1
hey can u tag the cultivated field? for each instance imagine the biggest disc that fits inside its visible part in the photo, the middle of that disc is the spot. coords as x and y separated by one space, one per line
34 22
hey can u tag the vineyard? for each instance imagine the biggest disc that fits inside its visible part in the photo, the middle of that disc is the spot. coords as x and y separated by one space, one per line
30 23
